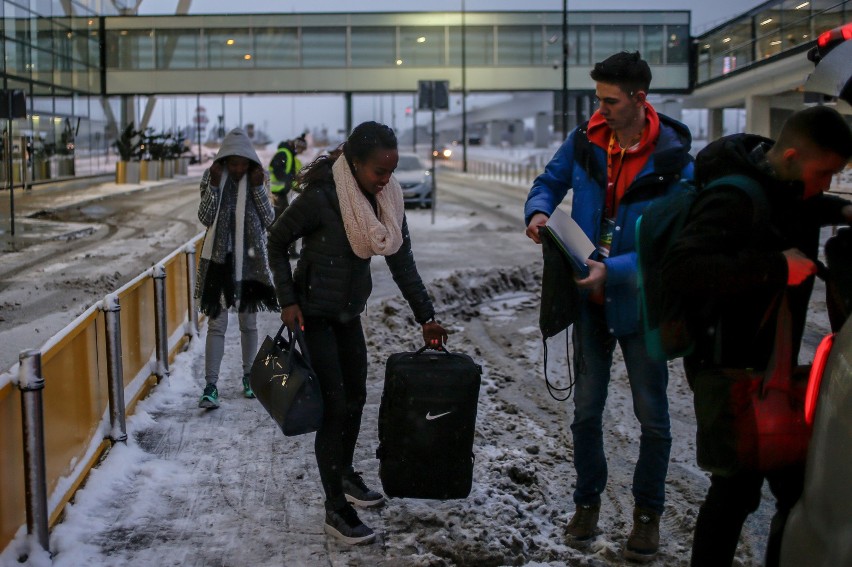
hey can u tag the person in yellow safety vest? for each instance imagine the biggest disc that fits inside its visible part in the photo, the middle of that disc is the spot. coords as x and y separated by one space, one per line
282 171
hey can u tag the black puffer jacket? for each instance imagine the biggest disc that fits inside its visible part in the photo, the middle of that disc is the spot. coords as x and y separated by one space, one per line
731 268
330 281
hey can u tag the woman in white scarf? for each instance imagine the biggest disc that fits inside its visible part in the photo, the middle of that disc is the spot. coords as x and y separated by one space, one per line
233 271
350 210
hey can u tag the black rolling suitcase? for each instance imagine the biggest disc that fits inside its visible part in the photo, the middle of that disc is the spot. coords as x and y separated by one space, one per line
427 419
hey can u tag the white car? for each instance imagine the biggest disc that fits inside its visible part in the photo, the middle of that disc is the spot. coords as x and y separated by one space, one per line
415 179
819 529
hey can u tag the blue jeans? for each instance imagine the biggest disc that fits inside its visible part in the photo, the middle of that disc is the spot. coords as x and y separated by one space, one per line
593 348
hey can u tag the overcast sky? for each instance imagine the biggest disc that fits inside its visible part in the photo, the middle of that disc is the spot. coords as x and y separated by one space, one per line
286 116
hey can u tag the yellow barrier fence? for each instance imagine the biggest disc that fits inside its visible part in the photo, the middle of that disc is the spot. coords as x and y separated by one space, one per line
64 405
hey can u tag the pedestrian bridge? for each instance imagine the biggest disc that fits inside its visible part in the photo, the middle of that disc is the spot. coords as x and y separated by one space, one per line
384 52
755 61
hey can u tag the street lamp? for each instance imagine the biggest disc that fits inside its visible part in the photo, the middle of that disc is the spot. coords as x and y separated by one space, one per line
464 90
564 69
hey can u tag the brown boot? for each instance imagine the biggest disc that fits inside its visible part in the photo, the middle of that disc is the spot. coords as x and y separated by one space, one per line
644 540
584 524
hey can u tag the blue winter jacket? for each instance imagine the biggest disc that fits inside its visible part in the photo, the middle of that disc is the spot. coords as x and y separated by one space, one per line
668 166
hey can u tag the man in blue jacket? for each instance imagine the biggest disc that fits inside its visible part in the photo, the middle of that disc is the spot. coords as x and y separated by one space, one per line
620 161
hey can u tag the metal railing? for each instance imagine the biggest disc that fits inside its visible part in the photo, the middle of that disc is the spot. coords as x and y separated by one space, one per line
74 393
504 171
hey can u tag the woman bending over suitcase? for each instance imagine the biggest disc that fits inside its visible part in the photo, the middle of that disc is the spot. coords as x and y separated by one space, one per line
350 210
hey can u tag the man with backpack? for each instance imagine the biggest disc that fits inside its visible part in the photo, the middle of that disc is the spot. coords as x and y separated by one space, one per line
619 162
738 258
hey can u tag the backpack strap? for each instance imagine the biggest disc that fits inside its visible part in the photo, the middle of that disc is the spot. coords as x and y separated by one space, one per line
760 218
584 155
750 187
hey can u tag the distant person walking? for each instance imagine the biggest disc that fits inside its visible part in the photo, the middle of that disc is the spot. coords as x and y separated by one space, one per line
283 168
234 268
732 270
350 210
617 163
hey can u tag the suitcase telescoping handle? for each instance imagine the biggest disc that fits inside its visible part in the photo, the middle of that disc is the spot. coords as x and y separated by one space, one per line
288 343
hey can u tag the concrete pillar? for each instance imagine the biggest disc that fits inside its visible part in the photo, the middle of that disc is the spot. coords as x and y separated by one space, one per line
495 131
541 134
673 108
516 132
127 112
347 113
715 123
758 115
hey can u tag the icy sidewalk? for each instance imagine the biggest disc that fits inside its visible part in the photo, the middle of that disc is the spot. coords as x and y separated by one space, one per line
202 487
225 487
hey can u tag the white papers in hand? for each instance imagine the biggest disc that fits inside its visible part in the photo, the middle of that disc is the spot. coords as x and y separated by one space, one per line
571 240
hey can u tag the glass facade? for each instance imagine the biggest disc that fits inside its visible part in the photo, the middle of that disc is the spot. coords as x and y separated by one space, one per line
612 39
372 47
479 45
324 47
178 49
276 47
519 46
767 31
579 46
54 59
421 46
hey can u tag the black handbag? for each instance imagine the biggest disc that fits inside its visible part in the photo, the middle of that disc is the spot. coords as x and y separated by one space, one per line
286 385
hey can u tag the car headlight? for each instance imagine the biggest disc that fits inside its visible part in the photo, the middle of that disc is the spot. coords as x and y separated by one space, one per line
447 152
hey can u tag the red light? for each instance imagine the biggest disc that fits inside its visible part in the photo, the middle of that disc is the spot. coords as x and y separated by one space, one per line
815 378
834 36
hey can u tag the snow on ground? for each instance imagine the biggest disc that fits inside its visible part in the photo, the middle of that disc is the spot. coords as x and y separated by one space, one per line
224 487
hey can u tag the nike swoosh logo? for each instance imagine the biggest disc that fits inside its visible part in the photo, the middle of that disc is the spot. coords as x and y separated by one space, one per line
430 417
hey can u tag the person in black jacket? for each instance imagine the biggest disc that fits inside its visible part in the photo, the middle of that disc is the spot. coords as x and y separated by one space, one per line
732 262
350 209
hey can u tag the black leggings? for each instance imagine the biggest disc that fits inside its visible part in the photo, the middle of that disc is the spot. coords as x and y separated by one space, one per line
338 355
729 502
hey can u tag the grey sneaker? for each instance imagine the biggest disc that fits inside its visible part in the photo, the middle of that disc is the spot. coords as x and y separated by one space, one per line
357 492
210 397
644 540
584 524
345 525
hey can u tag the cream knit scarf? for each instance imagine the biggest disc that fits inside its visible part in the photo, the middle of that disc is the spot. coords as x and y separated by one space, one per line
369 234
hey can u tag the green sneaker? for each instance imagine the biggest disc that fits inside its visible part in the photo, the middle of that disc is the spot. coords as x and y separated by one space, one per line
210 397
247 391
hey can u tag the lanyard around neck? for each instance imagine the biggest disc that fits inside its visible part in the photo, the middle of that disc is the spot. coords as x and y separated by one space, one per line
611 189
